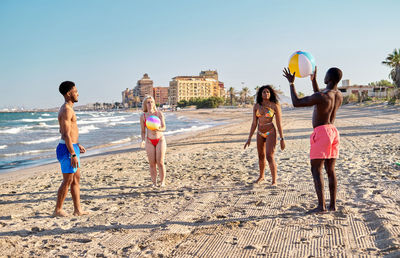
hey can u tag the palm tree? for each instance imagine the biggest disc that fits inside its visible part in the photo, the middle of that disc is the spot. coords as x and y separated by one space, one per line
231 94
393 61
244 93
256 89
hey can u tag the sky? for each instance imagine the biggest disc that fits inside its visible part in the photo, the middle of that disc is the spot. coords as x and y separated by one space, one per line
106 46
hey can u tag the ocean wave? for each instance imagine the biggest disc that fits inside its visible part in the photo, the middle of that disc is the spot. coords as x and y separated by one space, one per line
25 153
36 120
3 147
190 129
15 130
125 140
101 120
51 139
43 124
87 129
128 122
46 114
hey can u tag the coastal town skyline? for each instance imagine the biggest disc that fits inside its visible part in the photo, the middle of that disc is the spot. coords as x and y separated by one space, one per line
105 47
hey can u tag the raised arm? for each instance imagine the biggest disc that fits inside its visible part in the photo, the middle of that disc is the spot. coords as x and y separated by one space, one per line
314 82
300 102
253 126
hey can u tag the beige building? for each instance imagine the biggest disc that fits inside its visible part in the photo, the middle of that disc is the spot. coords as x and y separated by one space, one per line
144 87
186 87
127 97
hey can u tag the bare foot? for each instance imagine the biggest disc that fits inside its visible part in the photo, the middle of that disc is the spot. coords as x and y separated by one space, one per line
274 184
259 180
317 210
60 213
80 213
332 207
162 184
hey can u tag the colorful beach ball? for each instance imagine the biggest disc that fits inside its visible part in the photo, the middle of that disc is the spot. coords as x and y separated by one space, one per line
153 122
302 63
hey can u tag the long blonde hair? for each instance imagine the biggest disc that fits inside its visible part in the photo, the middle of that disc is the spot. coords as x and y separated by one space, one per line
144 106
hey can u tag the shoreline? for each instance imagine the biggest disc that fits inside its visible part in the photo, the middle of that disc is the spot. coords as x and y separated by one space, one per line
108 149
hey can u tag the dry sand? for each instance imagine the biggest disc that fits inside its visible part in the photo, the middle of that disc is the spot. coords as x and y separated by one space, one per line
210 208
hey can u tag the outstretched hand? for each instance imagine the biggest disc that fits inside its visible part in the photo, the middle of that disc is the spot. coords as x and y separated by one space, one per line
290 77
313 76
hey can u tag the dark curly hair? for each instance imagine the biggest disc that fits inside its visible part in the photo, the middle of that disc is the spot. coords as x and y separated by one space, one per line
65 87
274 97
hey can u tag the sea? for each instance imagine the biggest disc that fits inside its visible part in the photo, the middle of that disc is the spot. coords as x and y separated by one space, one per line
30 138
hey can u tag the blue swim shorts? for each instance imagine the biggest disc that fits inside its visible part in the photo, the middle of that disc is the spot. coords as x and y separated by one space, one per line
64 157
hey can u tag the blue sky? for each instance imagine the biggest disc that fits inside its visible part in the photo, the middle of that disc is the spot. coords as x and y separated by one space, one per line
105 46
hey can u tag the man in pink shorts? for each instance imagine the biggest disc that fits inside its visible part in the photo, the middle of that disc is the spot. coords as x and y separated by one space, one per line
325 138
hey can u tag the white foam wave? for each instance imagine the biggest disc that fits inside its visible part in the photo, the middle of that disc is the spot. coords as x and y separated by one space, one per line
190 129
40 119
3 147
87 129
51 139
46 114
122 140
101 120
14 130
24 153
128 122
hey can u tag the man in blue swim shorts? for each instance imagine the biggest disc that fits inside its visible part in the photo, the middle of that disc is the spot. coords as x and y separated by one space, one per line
68 151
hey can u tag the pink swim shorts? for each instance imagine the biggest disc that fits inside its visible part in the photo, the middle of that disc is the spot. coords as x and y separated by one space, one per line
324 142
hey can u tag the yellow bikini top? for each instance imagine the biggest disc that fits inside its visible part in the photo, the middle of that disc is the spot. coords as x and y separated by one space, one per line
269 112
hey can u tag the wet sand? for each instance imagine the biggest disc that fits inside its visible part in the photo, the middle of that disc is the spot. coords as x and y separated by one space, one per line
210 207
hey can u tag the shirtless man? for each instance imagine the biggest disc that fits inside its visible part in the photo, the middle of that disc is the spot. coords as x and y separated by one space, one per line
325 138
69 150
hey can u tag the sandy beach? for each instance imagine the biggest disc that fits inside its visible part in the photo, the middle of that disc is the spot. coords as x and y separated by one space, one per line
210 206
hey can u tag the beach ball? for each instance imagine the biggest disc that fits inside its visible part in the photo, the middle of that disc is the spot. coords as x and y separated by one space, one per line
153 122
302 63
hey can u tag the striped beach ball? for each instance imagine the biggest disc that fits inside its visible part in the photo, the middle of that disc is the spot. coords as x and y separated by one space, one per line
302 63
153 122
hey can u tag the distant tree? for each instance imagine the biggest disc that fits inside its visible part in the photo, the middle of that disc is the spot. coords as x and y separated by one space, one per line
244 94
393 61
136 100
278 91
231 94
182 103
256 89
381 83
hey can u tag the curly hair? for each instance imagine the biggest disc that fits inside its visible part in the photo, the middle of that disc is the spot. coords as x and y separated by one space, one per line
274 97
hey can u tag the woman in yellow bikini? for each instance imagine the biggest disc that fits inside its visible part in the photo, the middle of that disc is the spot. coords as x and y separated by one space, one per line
154 143
264 111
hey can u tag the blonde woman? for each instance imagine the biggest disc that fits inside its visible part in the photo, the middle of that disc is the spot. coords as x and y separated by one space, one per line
154 143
